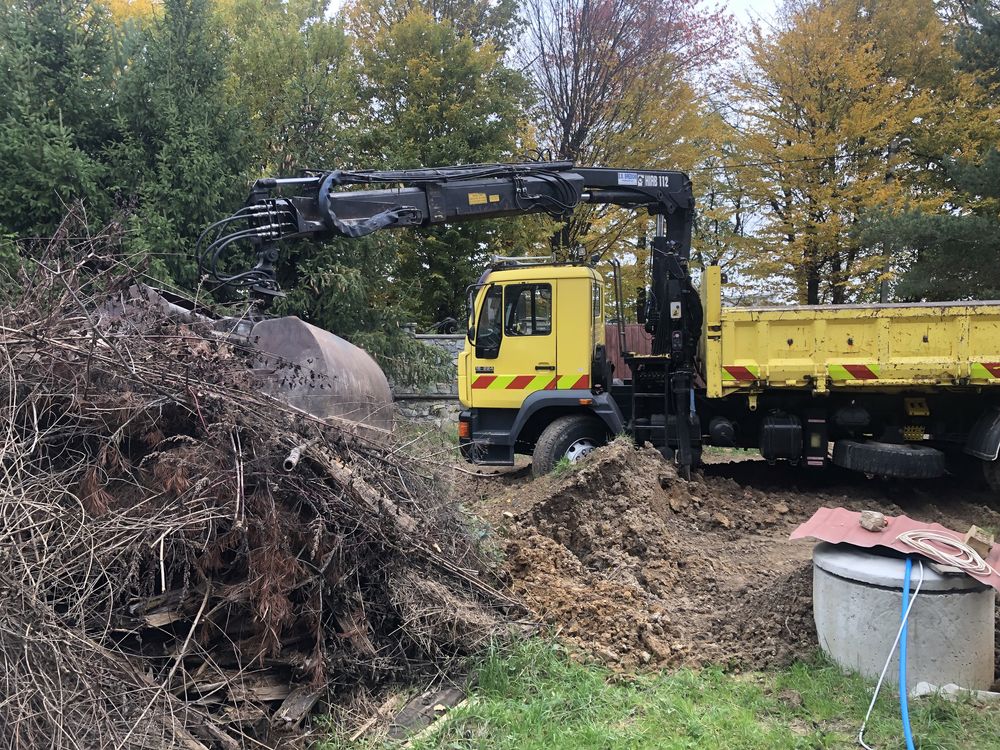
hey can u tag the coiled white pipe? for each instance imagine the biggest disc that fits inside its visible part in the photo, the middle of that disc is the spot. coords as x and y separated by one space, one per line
957 553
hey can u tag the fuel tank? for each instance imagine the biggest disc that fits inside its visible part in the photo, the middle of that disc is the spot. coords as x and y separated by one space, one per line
320 373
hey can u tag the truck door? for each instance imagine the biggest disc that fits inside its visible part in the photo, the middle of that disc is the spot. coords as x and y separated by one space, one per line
515 344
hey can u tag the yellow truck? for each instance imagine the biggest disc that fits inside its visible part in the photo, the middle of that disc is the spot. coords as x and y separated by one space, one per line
896 389
894 386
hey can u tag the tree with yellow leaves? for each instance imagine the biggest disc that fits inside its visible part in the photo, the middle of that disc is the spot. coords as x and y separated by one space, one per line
615 85
725 210
835 99
123 11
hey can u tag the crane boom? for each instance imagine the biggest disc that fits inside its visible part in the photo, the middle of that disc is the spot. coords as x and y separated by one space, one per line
327 205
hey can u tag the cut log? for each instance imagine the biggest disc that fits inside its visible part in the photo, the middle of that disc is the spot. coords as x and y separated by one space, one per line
423 710
296 706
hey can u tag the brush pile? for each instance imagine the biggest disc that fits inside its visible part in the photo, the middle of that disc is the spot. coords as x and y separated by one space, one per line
166 582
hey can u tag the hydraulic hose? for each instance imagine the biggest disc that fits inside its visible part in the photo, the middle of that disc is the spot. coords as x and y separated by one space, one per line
904 708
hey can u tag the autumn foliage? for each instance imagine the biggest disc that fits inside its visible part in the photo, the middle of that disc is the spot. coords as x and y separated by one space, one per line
841 150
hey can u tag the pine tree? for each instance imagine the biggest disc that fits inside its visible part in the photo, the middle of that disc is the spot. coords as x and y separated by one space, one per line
182 161
979 41
58 59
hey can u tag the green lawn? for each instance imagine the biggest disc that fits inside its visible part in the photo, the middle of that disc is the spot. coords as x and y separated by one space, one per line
532 696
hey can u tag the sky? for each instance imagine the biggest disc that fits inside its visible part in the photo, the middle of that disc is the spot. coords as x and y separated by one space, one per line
747 10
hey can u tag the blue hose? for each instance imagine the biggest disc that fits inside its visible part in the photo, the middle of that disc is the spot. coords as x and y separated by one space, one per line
904 708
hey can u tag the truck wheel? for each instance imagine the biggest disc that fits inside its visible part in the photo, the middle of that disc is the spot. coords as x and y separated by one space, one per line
571 437
902 461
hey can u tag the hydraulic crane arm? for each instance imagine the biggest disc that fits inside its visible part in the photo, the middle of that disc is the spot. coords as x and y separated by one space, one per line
327 205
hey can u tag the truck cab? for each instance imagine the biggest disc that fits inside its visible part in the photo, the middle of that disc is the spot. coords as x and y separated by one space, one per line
535 357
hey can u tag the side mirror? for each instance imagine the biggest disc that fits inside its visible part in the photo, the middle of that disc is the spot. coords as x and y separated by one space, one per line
640 304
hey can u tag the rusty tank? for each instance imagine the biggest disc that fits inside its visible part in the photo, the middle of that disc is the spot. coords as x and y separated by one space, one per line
320 373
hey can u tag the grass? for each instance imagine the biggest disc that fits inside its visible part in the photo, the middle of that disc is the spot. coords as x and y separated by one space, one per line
427 435
719 450
533 696
562 466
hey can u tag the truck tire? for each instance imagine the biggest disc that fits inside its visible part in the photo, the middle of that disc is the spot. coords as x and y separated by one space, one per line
572 437
902 461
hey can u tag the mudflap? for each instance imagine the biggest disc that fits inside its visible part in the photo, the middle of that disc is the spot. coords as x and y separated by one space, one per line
984 438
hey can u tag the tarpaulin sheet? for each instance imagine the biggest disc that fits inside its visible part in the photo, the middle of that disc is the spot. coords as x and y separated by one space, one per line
842 526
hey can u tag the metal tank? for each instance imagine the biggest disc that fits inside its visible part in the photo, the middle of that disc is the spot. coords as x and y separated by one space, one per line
320 373
305 366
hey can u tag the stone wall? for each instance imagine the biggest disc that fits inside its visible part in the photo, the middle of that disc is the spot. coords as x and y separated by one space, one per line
438 402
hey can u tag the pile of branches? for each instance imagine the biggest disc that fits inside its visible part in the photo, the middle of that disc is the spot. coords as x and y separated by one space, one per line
186 562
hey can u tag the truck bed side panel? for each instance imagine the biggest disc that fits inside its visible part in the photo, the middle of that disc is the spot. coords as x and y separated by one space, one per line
849 346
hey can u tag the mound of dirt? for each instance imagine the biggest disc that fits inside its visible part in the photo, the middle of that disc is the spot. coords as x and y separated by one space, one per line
635 566
772 623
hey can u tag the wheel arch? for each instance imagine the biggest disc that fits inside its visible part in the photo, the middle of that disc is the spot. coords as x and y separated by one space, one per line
542 407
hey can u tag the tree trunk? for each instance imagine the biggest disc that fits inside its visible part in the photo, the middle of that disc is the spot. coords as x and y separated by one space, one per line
838 294
812 285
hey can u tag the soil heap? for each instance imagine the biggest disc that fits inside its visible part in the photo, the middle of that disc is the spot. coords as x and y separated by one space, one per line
635 566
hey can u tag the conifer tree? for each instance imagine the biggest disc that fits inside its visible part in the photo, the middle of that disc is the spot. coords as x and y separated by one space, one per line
58 63
183 160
